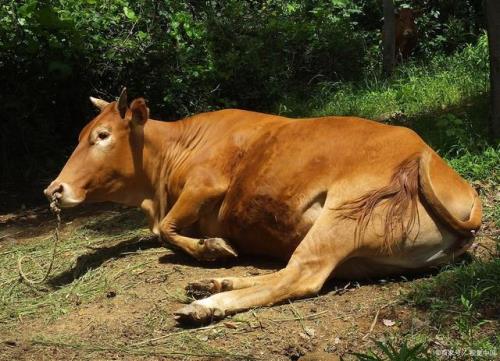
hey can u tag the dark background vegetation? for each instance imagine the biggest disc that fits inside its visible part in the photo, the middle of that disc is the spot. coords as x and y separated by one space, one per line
186 57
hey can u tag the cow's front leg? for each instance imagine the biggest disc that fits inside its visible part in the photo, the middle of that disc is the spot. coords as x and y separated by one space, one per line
184 213
207 287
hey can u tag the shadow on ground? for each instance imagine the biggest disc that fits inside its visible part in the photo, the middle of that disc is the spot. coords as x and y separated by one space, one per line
121 219
98 256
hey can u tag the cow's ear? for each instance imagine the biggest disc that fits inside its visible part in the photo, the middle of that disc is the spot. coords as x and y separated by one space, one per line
140 112
121 104
98 103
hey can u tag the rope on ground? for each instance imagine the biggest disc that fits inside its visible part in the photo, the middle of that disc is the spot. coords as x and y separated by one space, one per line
54 207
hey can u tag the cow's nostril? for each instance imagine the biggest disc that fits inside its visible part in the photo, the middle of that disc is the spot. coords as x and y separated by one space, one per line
59 189
54 189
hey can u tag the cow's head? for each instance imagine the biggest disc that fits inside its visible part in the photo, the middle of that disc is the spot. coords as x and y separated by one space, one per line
405 22
106 161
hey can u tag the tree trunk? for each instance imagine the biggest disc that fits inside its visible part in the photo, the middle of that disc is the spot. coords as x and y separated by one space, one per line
493 19
389 40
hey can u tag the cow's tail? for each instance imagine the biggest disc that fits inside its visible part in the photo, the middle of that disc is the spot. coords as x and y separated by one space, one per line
400 200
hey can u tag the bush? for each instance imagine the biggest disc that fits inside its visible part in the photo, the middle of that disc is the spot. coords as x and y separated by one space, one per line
183 56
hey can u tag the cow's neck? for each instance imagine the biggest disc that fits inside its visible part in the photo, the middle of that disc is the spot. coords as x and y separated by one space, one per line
167 146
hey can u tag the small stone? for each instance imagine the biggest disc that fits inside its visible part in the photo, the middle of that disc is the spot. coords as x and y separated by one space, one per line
111 294
310 332
388 323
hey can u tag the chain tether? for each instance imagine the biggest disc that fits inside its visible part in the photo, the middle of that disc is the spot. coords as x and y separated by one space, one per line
54 207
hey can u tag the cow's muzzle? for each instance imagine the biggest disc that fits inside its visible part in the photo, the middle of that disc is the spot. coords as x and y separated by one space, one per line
63 193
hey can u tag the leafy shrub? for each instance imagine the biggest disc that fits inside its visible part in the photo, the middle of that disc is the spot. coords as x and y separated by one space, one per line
184 57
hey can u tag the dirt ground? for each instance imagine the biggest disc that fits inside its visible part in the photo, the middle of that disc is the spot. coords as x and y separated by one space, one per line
114 290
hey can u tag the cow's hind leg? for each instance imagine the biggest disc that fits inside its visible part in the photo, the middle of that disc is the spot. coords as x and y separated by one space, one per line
309 267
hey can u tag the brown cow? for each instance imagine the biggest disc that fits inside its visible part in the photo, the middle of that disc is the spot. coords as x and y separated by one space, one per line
333 196
406 32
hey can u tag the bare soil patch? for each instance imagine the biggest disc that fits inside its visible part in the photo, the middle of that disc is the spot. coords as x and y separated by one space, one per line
114 292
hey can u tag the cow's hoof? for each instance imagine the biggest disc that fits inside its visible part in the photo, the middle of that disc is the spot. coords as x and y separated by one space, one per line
216 248
205 288
196 314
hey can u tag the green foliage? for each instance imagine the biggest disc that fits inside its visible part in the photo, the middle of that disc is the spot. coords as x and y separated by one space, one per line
478 166
187 56
184 57
389 352
446 25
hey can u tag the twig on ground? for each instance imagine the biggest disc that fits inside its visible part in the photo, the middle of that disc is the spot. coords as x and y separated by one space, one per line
298 316
374 322
342 290
372 326
258 319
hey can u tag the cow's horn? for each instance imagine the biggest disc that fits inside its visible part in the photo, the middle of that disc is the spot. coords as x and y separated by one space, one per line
99 103
122 102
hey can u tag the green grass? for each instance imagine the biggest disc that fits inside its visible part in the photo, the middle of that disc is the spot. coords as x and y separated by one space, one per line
478 282
445 99
464 303
478 166
416 87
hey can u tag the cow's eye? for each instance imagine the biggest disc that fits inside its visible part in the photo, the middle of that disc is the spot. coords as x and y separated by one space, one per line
103 135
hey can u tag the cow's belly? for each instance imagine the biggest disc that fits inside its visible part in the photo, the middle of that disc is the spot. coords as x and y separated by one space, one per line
262 225
423 260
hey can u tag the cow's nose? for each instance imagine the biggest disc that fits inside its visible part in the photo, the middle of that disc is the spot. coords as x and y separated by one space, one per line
53 188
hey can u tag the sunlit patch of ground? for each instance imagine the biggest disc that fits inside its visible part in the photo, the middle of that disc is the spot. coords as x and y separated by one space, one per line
114 289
